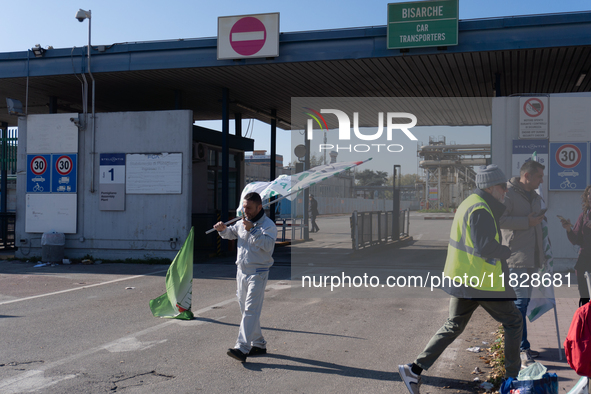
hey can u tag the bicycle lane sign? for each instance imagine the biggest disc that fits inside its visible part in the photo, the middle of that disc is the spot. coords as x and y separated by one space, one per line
568 166
38 173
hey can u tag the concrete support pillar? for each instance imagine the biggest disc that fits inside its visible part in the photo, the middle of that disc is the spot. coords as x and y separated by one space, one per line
225 158
238 124
273 163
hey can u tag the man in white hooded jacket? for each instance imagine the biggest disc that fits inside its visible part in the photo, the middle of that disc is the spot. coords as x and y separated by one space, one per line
256 235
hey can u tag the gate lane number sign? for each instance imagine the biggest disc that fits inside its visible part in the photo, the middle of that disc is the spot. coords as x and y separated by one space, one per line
112 182
568 166
63 173
248 36
533 117
38 173
422 24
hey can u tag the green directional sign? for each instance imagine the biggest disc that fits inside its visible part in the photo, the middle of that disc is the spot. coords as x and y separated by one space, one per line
420 24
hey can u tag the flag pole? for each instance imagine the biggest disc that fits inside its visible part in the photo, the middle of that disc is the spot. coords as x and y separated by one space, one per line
264 206
296 191
555 307
557 334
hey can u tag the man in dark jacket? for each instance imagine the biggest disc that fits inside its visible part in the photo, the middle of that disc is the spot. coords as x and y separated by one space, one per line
313 213
521 228
475 252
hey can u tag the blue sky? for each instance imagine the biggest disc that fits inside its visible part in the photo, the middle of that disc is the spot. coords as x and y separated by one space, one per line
29 22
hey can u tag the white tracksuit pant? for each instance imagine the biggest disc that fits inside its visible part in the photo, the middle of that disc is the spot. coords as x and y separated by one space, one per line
250 290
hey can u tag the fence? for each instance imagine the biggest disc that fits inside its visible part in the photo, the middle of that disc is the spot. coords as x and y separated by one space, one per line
8 150
7 220
374 228
293 225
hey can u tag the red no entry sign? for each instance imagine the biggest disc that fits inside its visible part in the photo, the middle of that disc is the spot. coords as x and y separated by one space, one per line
248 36
533 107
568 156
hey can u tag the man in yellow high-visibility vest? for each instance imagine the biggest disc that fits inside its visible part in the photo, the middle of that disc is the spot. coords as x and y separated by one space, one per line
476 275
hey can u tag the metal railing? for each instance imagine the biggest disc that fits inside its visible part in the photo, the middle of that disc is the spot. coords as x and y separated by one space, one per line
374 228
295 226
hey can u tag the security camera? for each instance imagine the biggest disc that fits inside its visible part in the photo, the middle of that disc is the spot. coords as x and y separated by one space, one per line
75 121
81 15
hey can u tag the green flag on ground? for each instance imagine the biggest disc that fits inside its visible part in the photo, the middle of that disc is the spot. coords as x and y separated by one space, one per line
176 302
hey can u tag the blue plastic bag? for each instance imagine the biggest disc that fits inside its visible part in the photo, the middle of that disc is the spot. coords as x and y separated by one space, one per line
547 385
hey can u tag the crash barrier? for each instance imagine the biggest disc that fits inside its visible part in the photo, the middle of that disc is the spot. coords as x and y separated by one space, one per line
374 228
295 225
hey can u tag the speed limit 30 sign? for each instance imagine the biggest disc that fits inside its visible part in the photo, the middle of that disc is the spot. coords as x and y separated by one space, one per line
63 177
38 174
568 166
38 165
568 156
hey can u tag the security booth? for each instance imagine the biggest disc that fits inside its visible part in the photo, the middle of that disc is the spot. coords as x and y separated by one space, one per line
121 189
207 181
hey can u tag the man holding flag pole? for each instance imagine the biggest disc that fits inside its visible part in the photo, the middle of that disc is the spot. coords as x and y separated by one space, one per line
256 235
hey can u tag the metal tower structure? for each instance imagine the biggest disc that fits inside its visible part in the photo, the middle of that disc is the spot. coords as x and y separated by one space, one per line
449 173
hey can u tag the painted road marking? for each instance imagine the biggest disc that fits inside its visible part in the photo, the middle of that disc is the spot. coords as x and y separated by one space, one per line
35 380
80 288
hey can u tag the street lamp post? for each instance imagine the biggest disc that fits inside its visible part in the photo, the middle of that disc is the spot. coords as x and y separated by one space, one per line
81 15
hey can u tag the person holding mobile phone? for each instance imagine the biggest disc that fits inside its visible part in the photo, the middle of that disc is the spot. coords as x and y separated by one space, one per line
521 226
256 235
580 234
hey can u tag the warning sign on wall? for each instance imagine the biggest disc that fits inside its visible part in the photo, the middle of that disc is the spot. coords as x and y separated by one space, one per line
533 117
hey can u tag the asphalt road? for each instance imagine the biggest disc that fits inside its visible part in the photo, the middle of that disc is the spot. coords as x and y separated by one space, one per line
88 328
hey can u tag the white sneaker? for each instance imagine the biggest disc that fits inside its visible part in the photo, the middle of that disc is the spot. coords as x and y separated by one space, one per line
411 380
526 359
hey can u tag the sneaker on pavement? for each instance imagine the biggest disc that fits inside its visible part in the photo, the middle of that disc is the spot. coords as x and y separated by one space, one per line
526 359
257 351
237 354
411 380
532 353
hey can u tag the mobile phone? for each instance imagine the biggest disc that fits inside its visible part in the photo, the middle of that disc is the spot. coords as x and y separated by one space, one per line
542 212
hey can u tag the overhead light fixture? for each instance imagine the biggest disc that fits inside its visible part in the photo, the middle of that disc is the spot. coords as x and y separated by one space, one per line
580 80
15 107
38 51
